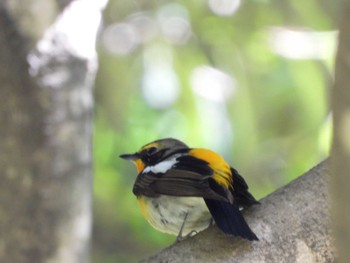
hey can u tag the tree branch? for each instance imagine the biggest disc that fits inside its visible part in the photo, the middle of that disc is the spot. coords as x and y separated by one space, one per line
292 224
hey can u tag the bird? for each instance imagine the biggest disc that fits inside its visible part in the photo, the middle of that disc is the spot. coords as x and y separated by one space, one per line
182 191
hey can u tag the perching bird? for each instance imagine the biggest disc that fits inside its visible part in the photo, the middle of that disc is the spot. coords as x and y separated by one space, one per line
180 190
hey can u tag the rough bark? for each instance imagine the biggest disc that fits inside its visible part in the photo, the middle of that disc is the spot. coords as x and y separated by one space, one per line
45 131
340 184
292 223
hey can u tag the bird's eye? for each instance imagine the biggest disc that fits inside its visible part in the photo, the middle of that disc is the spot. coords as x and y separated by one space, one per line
151 150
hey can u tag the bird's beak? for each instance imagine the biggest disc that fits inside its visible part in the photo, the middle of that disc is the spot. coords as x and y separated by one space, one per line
136 159
130 157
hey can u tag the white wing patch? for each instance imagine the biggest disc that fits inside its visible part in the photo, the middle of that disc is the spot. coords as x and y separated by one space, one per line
161 167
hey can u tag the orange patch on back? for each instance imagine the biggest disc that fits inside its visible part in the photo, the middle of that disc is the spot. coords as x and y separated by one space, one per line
222 171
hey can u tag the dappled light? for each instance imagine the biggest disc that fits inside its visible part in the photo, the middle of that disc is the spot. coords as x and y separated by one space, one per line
224 7
160 85
174 24
303 44
212 84
120 38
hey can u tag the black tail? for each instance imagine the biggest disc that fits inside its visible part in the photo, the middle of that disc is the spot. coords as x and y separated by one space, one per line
240 192
229 219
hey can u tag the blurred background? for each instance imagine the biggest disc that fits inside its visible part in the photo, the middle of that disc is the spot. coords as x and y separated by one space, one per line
248 79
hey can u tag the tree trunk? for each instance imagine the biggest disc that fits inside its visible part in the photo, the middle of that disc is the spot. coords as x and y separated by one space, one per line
292 225
45 131
340 184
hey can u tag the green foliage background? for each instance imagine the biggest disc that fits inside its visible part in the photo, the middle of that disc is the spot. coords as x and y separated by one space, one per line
277 116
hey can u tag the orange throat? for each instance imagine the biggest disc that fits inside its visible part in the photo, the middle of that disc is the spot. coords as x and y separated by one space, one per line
139 165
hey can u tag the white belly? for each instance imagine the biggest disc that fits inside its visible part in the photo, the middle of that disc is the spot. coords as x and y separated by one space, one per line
167 213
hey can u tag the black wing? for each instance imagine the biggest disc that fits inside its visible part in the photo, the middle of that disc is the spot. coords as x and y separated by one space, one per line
189 176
